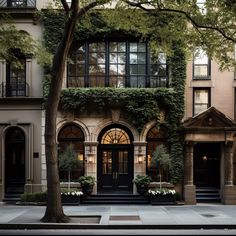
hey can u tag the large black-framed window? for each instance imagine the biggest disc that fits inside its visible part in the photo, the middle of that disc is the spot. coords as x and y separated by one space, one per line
201 65
201 100
116 64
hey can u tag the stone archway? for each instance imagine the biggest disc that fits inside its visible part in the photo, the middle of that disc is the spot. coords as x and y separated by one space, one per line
115 160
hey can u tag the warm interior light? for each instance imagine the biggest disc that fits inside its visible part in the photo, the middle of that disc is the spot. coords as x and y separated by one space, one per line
140 159
90 159
204 158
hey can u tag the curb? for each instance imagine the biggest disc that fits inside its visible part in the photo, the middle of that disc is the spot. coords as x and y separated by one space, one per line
126 226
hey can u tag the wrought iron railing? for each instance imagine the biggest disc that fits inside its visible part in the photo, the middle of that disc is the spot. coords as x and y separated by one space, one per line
14 90
17 3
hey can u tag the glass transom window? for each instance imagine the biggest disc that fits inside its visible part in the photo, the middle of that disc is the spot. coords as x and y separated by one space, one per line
116 64
115 136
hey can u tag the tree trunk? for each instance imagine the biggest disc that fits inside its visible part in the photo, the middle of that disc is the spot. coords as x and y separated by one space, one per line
54 211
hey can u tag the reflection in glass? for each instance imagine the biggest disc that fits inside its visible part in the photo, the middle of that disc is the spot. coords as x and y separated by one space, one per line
123 162
107 162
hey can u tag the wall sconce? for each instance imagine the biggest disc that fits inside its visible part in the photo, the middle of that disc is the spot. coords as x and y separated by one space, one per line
90 159
140 159
140 156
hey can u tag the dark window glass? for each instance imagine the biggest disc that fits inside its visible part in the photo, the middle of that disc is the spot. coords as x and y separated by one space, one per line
156 137
72 135
16 79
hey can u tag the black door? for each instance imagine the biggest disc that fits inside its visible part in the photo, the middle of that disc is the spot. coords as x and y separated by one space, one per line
14 161
115 169
207 164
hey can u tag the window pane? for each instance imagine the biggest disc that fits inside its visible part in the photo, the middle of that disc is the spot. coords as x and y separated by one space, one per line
133 58
200 57
201 100
133 47
121 58
121 47
133 69
141 47
142 58
141 69
113 58
201 71
201 96
133 81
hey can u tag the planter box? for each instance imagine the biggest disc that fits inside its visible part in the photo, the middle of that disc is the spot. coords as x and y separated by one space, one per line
70 200
168 199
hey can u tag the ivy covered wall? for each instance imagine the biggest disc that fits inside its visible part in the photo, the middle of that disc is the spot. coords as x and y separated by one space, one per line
139 105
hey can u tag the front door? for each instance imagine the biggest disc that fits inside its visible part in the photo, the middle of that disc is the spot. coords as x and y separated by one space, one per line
207 165
115 170
14 161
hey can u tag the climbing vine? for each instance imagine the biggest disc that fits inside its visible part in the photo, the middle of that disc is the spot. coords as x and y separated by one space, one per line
138 105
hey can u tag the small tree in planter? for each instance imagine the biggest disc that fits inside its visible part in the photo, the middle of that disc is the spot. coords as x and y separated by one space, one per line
68 161
162 159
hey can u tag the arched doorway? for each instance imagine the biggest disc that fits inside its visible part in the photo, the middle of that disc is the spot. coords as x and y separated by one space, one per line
115 160
72 135
14 161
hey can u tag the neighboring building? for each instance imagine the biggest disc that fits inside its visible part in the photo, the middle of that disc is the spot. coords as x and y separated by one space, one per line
108 141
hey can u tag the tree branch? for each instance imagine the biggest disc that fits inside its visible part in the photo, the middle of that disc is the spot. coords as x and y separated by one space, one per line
194 23
65 5
91 5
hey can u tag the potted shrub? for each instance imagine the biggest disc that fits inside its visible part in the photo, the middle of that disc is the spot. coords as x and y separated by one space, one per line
142 183
87 183
162 196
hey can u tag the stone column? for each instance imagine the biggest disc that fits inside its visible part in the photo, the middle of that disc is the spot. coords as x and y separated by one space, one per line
91 160
139 160
229 191
189 188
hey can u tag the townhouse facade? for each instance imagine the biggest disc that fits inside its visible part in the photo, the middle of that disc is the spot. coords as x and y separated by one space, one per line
110 84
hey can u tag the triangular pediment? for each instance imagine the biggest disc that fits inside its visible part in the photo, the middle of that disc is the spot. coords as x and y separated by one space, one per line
210 118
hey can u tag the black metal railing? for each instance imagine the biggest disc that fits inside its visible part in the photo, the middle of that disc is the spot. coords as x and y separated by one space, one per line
14 90
17 3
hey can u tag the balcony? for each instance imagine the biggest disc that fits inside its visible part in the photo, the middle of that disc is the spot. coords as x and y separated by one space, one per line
18 4
19 9
14 90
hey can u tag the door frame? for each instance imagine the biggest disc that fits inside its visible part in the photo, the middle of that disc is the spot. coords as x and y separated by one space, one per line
115 148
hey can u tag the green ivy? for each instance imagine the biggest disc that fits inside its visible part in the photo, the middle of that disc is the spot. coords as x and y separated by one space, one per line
139 106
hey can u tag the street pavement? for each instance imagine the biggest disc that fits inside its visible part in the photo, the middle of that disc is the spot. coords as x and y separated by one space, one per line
200 216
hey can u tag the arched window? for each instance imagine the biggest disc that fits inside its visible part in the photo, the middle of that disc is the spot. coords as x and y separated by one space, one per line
115 136
72 135
156 136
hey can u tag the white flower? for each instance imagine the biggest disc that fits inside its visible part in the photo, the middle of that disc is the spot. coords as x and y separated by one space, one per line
74 193
161 191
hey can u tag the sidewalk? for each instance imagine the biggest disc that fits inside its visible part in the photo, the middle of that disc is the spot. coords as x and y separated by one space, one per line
209 216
